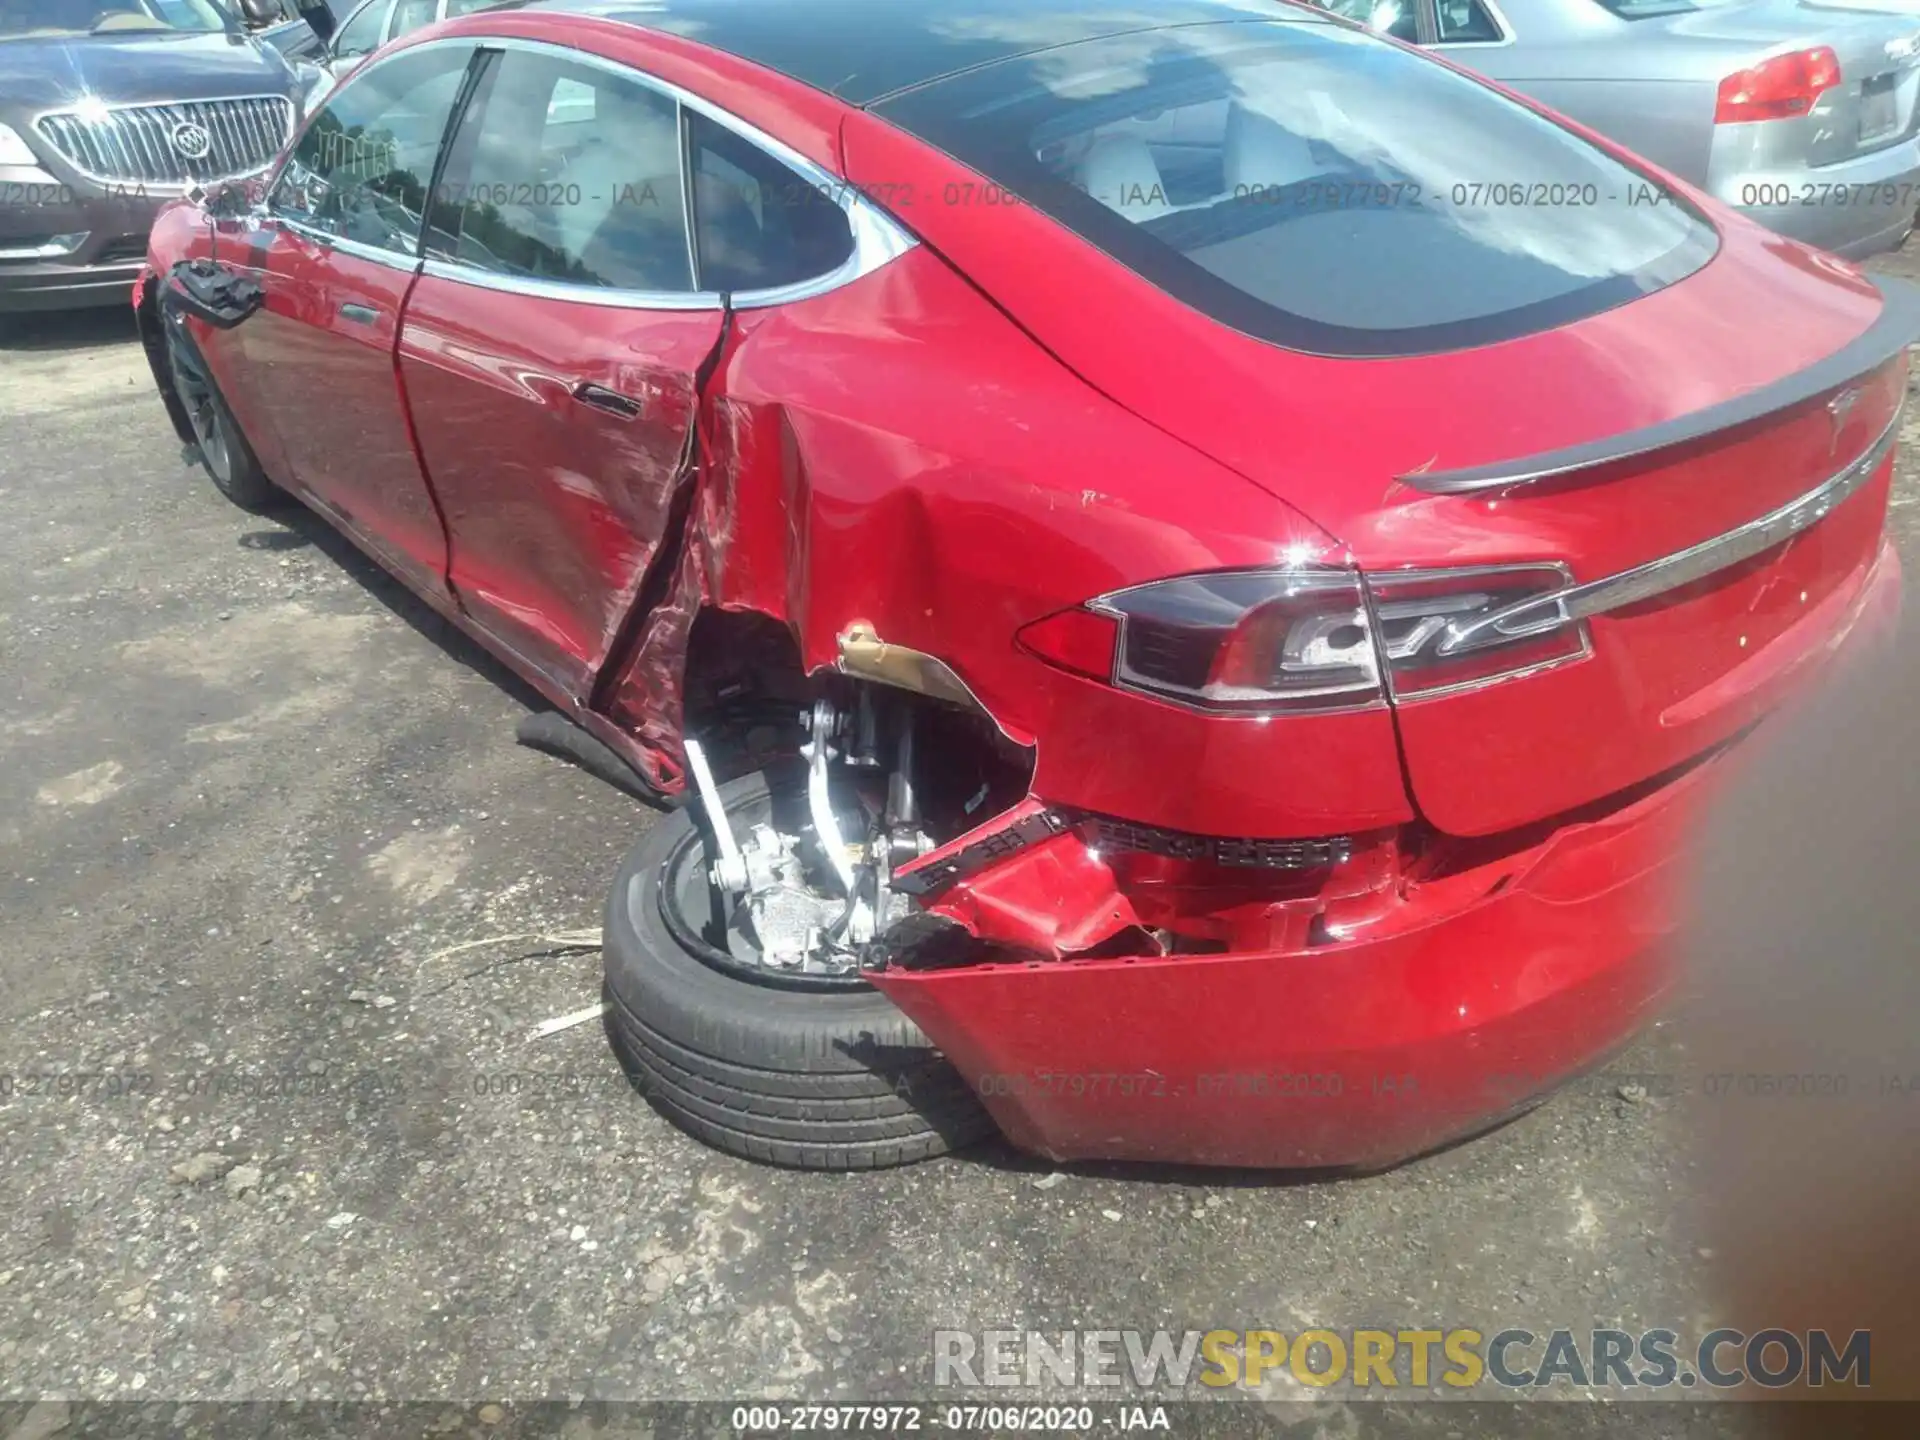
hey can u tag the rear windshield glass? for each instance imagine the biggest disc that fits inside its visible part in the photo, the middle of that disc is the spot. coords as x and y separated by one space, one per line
1315 186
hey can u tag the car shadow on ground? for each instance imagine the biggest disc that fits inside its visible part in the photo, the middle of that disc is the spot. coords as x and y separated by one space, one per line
299 528
95 329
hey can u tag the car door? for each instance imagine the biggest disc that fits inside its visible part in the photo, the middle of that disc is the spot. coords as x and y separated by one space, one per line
550 351
336 258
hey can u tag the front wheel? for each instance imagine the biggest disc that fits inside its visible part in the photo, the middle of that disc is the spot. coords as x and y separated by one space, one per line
816 1077
224 453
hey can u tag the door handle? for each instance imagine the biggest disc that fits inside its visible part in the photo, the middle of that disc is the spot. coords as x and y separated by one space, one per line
611 401
359 314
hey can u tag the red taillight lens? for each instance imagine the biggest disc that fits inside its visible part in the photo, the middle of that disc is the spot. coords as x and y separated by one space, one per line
1247 640
1781 88
1314 637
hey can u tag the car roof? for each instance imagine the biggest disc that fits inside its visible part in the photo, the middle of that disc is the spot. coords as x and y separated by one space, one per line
862 51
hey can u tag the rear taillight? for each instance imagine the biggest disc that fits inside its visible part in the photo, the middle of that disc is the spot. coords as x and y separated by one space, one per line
1781 88
1312 637
1444 629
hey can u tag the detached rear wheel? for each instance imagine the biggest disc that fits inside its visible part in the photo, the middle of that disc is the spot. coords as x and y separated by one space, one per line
224 453
819 1073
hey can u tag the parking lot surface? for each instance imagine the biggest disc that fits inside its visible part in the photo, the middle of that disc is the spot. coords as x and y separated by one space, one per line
284 904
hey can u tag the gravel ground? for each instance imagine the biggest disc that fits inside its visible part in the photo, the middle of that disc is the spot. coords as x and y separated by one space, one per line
252 796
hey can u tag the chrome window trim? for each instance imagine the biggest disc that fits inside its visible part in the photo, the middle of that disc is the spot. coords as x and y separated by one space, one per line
877 238
1544 614
560 290
167 188
393 259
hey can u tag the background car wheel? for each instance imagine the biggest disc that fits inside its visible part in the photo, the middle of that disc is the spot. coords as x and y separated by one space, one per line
224 453
815 1078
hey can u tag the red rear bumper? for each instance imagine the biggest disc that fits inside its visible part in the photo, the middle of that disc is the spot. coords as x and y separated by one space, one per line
1496 984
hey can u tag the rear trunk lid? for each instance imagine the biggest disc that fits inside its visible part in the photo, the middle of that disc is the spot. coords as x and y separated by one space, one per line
1729 476
1709 577
1874 105
1684 439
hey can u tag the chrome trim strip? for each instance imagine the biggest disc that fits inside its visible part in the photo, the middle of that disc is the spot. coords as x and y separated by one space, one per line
1547 613
360 250
575 294
45 251
877 238
1897 326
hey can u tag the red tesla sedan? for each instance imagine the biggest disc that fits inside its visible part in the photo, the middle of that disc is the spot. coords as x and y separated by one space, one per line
1179 571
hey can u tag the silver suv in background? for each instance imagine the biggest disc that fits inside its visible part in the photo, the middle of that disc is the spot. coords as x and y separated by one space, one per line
1803 116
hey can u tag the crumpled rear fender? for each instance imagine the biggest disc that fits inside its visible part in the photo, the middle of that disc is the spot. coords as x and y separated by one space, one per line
898 454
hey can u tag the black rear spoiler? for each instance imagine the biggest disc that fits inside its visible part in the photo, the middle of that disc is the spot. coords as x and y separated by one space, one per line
1897 327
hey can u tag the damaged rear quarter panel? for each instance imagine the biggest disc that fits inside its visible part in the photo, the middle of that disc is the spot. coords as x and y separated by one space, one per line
898 452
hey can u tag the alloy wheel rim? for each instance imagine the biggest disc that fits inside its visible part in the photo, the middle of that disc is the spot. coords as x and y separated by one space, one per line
203 415
686 905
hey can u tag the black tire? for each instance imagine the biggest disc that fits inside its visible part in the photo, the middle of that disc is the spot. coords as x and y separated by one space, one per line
224 452
815 1079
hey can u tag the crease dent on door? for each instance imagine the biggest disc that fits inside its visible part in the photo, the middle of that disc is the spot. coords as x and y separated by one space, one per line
639 693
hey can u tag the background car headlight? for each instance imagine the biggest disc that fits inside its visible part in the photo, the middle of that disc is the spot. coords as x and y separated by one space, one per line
13 149
1309 638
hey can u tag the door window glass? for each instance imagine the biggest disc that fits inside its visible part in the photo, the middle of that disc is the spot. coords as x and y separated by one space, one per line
757 223
571 173
362 31
362 168
1466 22
410 15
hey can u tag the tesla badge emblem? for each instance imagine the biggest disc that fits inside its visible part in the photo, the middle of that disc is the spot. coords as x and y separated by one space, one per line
1838 408
191 140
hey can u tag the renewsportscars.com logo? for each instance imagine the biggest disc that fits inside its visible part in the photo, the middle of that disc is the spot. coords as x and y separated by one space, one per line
1377 1360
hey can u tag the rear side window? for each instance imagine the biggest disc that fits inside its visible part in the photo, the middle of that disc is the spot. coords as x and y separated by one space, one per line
1314 186
758 225
566 172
